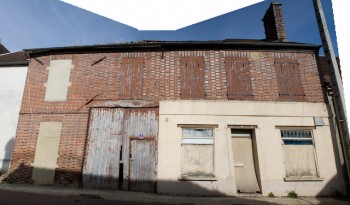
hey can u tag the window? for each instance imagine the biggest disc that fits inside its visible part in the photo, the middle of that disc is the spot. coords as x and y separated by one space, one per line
239 84
299 153
289 80
131 78
192 78
197 153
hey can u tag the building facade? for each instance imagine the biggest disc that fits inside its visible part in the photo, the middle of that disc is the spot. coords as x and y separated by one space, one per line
188 118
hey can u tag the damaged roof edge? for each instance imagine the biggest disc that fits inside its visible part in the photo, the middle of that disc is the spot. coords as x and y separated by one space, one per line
14 59
173 45
13 64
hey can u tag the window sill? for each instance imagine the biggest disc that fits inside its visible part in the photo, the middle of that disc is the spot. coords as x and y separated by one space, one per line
291 179
197 178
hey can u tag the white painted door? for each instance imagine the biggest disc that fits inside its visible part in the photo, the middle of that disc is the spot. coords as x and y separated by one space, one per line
242 149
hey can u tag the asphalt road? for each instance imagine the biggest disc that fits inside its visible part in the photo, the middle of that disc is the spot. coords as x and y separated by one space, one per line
24 198
20 194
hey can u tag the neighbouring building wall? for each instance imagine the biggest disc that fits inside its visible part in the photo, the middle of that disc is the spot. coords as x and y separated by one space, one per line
12 81
266 120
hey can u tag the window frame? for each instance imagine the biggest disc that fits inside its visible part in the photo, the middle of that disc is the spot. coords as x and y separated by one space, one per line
284 139
187 177
190 139
312 139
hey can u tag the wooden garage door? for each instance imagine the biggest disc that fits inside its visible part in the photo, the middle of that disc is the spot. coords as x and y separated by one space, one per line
117 135
103 149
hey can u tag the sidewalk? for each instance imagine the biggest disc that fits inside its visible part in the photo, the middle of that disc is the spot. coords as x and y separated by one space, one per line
165 199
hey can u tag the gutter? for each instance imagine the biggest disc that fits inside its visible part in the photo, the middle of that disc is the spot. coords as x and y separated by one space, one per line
172 45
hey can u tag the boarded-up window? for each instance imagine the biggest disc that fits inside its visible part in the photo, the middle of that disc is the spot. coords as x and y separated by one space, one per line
192 78
239 84
289 80
131 78
299 153
58 80
197 152
46 152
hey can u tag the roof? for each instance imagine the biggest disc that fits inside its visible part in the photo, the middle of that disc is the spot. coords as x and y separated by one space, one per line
3 49
149 45
13 59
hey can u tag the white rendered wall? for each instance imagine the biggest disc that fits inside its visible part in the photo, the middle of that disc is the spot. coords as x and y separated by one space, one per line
266 116
12 80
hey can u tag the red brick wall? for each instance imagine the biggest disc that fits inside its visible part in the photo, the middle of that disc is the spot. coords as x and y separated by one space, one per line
161 81
161 78
72 142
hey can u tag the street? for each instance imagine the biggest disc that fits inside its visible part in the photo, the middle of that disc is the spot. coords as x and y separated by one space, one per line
25 194
24 198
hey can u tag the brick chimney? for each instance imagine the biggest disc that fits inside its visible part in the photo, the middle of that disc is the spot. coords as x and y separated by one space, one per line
274 23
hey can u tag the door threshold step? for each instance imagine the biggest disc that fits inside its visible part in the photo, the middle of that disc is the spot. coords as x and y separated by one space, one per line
249 194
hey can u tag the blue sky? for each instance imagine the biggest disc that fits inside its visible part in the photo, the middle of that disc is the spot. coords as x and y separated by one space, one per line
36 23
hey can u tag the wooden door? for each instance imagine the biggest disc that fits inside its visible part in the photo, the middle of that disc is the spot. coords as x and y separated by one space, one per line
142 165
103 150
141 127
242 149
111 142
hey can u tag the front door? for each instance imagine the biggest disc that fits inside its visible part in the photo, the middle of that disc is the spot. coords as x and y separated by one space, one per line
141 130
142 166
243 156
